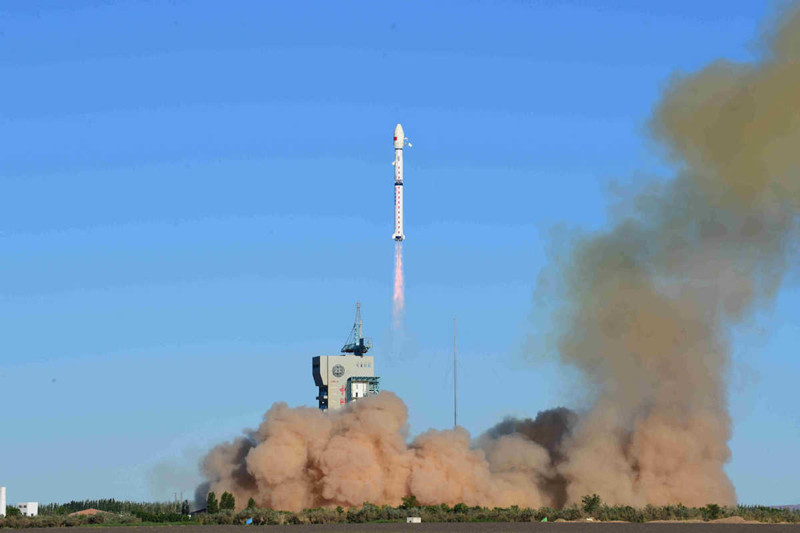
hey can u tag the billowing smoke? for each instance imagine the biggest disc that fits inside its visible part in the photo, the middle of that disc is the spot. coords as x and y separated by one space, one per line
647 306
548 430
644 314
302 457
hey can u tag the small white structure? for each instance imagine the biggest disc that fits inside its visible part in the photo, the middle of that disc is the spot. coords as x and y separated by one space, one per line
413 520
28 508
2 501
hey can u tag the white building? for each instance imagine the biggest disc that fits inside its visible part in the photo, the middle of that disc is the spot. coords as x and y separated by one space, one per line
28 508
343 379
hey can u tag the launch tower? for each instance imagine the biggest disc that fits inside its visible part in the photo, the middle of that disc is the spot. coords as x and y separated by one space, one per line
346 378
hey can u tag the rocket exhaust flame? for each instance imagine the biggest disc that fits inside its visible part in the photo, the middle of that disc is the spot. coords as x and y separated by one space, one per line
398 297
643 313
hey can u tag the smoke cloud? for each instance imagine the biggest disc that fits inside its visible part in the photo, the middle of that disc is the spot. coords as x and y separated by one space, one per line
644 312
647 306
549 430
303 457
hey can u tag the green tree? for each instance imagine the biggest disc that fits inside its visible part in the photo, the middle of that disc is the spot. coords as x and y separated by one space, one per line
711 511
185 509
251 503
409 502
591 503
227 502
13 511
212 506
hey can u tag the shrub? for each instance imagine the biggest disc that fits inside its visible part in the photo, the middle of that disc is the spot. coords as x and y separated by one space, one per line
570 513
711 511
99 518
591 503
74 521
544 512
409 502
264 517
625 513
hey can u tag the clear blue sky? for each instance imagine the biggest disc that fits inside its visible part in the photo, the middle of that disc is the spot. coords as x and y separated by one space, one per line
195 194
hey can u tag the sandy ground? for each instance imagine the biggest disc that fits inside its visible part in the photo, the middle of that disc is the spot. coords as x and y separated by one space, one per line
493 527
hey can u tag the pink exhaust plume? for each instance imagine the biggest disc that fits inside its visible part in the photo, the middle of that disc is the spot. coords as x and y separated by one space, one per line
399 291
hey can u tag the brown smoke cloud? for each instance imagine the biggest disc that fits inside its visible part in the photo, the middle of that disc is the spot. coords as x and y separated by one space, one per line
644 313
648 304
549 430
302 457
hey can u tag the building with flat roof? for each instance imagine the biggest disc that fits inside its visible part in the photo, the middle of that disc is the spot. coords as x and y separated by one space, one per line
28 508
347 377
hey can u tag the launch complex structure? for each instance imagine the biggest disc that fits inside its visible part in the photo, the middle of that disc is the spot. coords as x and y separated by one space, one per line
347 377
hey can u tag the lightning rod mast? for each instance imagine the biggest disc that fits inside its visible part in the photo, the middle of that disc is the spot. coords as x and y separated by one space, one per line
455 374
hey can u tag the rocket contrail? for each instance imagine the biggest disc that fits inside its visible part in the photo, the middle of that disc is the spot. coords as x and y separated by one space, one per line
398 298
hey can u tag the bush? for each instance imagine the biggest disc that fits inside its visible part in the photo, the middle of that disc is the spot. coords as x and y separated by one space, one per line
409 502
570 513
460 508
99 518
711 511
625 513
591 503
263 517
544 512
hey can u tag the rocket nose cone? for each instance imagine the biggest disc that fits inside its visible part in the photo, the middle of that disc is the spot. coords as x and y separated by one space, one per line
399 136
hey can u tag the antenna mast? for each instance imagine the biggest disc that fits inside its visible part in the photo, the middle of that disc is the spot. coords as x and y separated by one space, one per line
455 374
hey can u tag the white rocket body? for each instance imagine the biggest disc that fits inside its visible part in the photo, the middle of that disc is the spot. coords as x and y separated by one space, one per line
2 501
399 141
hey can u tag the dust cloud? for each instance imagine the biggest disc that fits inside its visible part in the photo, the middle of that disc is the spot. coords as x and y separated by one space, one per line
647 306
302 457
644 312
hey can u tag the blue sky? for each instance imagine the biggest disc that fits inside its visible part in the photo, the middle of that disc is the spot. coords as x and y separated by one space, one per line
193 197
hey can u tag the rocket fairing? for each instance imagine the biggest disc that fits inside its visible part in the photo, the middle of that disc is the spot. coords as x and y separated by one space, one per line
399 142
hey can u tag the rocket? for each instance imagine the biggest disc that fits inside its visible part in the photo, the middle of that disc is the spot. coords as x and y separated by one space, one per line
399 142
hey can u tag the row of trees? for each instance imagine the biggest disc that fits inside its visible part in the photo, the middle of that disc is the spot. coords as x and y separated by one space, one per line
156 512
591 507
226 502
114 506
